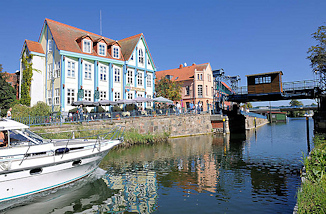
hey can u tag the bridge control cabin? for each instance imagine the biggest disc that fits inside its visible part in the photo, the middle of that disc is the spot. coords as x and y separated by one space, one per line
265 83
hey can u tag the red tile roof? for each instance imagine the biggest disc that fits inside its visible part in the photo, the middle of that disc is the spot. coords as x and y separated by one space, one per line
183 73
34 46
129 44
65 38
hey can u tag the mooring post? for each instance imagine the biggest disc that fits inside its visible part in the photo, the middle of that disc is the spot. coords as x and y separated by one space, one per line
308 141
223 125
255 123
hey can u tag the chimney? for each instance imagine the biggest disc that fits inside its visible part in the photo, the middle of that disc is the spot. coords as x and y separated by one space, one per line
180 66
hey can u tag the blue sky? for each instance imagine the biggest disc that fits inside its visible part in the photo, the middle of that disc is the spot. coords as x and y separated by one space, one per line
242 37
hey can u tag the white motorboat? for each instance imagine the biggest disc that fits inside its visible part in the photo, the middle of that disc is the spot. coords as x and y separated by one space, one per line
30 164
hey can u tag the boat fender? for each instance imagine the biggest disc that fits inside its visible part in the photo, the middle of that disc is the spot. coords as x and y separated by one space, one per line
61 150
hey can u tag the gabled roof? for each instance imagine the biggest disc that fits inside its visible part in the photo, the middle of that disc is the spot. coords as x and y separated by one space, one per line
129 44
65 37
34 46
182 73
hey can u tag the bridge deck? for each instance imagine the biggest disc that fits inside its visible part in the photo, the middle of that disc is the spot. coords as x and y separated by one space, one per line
308 89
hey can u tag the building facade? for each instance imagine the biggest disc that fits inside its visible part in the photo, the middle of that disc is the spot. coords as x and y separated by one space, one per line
71 64
197 83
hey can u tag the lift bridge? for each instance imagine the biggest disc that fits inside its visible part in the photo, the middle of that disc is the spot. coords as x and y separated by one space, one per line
262 87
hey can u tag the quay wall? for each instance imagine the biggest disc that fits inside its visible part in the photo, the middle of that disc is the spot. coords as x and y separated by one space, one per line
250 122
177 126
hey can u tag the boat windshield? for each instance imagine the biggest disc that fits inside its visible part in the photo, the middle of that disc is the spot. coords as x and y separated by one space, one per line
34 136
19 137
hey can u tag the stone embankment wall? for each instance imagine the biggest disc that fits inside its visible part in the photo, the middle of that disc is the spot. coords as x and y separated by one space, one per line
220 123
177 126
250 122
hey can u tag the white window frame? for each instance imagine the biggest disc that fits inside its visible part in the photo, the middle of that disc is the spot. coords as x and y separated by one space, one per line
187 90
140 79
149 80
50 71
116 96
50 97
200 90
50 45
116 52
102 95
88 95
130 95
149 103
70 96
141 56
103 73
71 69
117 75
87 46
140 104
101 49
87 71
57 71
56 99
130 77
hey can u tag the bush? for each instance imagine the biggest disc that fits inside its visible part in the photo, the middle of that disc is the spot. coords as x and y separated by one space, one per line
100 109
116 109
74 110
131 107
40 109
311 197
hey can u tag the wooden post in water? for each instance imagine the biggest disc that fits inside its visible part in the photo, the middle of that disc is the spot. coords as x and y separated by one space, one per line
255 123
308 141
223 125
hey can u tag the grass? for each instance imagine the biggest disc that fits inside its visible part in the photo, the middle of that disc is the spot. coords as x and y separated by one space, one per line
131 136
312 195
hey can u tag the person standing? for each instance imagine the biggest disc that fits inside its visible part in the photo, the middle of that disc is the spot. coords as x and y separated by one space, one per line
178 108
80 112
9 113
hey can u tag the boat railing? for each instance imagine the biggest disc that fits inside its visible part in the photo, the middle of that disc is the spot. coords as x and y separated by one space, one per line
116 133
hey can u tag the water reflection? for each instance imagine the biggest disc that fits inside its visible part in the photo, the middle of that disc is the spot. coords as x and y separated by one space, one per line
257 172
137 192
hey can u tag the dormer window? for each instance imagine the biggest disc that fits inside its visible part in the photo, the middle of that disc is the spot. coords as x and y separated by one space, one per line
101 49
87 46
115 52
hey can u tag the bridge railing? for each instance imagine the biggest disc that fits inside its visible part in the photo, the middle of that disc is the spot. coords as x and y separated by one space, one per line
287 86
241 90
300 85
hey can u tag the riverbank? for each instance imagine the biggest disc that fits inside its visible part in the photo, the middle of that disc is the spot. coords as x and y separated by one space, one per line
175 126
311 196
131 136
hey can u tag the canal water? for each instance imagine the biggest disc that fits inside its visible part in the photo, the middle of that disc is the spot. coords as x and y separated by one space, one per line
258 172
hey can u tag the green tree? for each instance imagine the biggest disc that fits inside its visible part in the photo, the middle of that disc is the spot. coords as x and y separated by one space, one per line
168 89
295 103
247 105
318 54
7 94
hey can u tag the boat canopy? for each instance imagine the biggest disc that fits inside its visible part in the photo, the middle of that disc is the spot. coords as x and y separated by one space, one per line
7 124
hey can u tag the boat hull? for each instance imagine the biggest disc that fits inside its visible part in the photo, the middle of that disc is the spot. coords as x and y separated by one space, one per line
49 172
